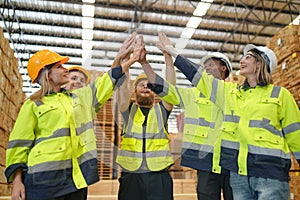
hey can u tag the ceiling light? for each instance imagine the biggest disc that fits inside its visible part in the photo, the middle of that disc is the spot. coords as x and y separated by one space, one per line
88 1
194 22
87 45
187 33
87 34
88 10
181 43
201 9
88 22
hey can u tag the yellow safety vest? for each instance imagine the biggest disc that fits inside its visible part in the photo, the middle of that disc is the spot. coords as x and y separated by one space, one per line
157 151
57 134
261 125
202 121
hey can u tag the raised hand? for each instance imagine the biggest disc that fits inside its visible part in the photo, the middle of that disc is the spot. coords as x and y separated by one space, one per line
125 50
140 46
165 45
163 42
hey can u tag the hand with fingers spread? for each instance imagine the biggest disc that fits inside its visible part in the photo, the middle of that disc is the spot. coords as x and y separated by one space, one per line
165 45
125 50
123 58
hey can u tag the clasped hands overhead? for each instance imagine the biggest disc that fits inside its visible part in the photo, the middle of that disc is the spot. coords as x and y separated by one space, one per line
133 49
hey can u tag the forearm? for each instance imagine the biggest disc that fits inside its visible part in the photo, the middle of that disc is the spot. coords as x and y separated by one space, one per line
148 71
124 94
18 176
18 191
126 65
187 67
165 90
170 70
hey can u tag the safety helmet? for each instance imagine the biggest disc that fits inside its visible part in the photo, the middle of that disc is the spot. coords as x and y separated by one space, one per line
220 56
267 54
81 69
139 78
40 60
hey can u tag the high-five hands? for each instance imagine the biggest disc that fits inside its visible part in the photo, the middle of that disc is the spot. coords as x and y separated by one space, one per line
125 50
140 46
136 46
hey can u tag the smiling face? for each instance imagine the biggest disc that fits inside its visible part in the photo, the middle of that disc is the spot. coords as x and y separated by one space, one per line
77 80
249 65
215 68
144 96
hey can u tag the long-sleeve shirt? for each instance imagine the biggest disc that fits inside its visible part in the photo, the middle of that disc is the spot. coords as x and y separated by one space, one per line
53 139
261 125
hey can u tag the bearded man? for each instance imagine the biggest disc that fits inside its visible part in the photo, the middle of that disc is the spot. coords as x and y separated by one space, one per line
144 155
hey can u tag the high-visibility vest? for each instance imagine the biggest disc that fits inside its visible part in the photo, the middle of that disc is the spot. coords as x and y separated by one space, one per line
201 133
157 152
261 125
54 141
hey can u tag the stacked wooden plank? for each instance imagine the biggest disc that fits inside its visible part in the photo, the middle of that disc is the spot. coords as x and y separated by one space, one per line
104 126
11 98
286 45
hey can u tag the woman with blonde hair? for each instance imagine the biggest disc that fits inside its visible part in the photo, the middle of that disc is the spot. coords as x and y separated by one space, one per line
52 148
261 123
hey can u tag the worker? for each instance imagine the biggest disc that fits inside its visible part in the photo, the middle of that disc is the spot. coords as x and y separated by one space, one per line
202 120
79 77
52 148
144 154
261 123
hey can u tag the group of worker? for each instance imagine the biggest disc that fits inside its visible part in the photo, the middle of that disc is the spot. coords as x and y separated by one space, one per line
239 137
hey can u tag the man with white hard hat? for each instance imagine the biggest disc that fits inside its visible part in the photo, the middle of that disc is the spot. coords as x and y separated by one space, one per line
202 121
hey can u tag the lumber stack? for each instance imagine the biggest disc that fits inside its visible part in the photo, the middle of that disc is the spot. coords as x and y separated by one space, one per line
286 45
11 98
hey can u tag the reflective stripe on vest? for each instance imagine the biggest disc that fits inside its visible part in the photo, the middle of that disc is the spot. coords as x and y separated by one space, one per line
157 153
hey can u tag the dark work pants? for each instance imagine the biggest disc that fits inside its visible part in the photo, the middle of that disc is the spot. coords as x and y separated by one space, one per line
77 195
146 186
210 185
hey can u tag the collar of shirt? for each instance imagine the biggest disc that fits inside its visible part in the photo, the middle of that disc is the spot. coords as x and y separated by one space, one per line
247 86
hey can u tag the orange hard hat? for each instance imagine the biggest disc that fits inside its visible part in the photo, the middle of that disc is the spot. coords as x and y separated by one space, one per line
81 69
40 60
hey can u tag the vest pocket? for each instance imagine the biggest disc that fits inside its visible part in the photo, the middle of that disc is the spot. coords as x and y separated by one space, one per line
229 131
269 160
262 136
88 141
129 144
49 148
44 109
47 162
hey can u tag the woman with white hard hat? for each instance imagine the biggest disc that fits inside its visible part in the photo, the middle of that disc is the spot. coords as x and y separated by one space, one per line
261 124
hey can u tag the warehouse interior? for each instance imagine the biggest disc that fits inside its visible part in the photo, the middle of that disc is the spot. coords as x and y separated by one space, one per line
91 32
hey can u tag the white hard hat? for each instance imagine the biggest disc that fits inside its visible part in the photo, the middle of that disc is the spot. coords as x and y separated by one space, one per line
267 54
220 56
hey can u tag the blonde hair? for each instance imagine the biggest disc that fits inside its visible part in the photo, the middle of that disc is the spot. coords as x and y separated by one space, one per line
263 75
44 82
